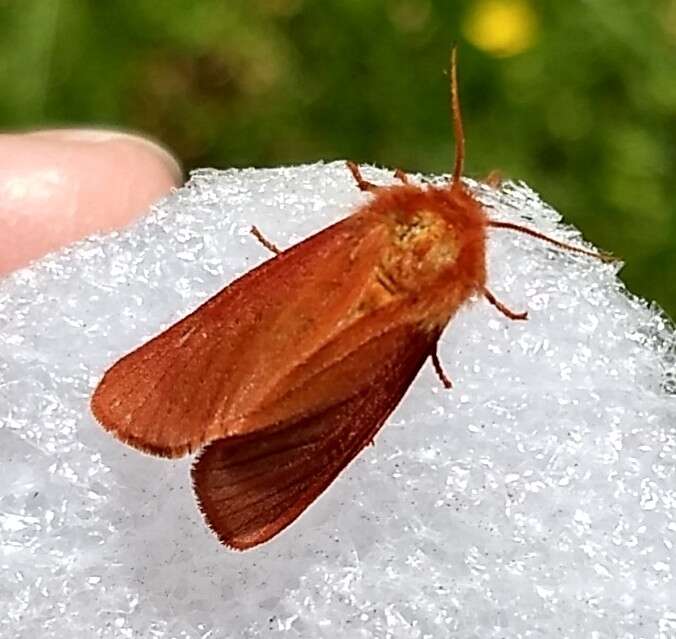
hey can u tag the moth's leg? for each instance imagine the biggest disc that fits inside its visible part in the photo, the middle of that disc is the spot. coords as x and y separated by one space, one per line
439 370
401 176
493 179
502 308
361 182
264 241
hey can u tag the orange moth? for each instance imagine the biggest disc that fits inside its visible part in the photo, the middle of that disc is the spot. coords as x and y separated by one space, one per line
283 377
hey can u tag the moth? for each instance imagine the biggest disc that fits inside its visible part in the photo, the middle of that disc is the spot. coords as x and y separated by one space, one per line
283 377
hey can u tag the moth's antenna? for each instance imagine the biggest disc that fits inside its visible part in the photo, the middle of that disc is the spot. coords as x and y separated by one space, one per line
457 120
606 257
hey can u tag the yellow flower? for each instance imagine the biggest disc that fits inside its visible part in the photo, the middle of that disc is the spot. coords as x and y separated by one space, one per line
501 27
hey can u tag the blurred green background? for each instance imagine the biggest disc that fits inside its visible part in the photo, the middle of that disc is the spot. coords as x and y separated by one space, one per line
576 98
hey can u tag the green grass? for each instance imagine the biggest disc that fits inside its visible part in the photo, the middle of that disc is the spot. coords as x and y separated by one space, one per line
585 113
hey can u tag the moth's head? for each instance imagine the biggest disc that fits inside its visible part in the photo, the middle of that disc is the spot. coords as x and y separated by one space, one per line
434 233
466 220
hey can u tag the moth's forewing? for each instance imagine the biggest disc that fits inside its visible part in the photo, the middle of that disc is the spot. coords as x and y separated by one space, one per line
192 382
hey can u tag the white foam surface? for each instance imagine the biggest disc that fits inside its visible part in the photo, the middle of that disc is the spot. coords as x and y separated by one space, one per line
535 499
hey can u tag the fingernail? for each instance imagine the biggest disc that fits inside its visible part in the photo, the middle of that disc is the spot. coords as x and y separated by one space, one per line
103 136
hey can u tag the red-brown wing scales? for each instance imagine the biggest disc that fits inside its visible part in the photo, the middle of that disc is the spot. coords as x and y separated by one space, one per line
252 486
187 385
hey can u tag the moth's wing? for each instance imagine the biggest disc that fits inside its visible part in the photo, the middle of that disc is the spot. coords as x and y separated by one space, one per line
185 386
250 487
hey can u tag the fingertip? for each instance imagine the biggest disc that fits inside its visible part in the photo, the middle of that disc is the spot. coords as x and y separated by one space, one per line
154 157
59 186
